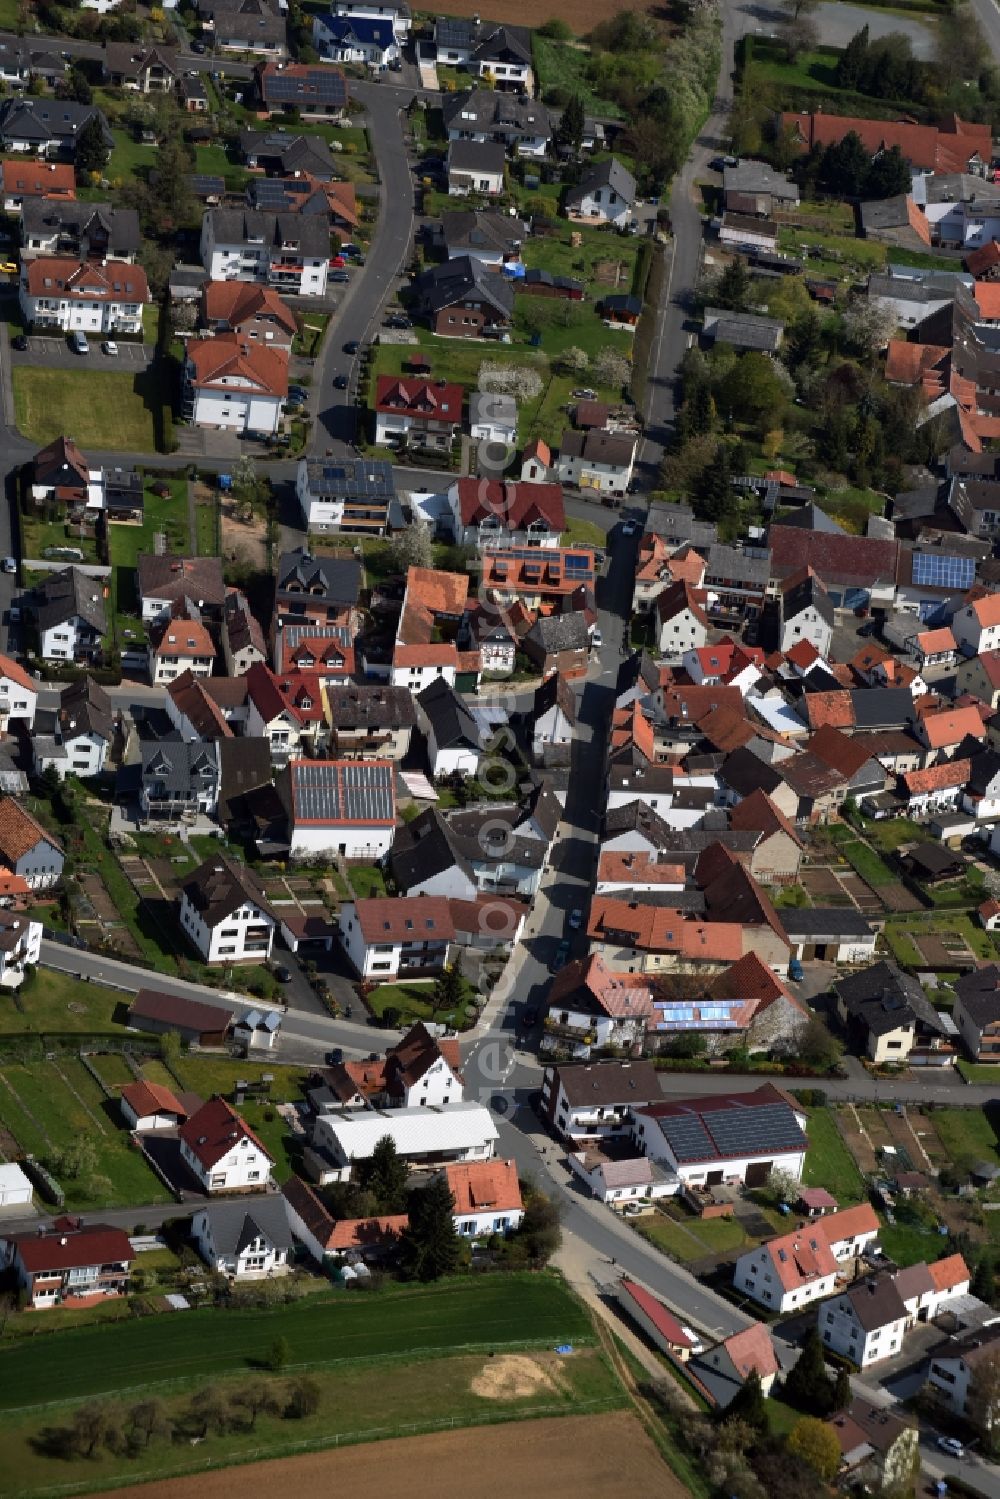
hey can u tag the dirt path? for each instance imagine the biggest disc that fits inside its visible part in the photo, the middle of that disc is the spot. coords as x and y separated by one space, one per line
573 1457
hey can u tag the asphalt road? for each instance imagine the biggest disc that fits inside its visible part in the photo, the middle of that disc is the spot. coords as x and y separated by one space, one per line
987 13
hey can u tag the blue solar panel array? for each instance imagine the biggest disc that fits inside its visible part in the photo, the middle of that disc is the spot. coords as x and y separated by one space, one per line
935 570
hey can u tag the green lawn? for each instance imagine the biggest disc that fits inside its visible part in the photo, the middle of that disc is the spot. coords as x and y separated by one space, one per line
979 1072
891 834
868 864
163 513
413 1002
322 1332
910 1243
897 928
207 537
129 158
307 343
565 67
360 1402
810 70
48 1106
37 534
673 1238
102 410
212 161
829 1163
553 252
967 1135
207 1075
56 1002
841 250
366 880
583 533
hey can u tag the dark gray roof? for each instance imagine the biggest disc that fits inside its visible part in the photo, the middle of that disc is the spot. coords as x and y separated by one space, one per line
508 115
979 991
606 173
424 848
245 20
362 707
726 562
68 593
743 330
809 594
244 764
834 923
476 156
505 43
334 580
85 708
876 1302
483 230
350 478
460 278
450 720
560 632
727 1128
320 84
555 689
220 886
889 708
885 998
609 1083
758 177
112 231
45 120
238 226
744 772
177 768
293 153
811 518
234 1225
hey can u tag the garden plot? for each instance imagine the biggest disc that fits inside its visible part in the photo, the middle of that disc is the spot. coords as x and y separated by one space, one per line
898 898
858 1145
825 888
943 950
863 895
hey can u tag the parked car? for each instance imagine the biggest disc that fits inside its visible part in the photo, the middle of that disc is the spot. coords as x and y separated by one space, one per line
335 1056
20 343
198 47
338 276
337 260
584 394
952 1446
398 320
561 957
9 565
283 974
110 348
575 919
795 971
352 346
340 382
597 640
78 343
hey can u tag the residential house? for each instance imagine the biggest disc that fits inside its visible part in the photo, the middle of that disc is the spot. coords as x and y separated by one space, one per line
177 780
682 624
345 494
243 641
976 625
879 1450
465 298
153 70
232 383
321 650
47 127
383 938
493 418
867 1322
422 1071
597 460
249 309
499 54
225 914
937 789
423 1136
559 644
553 721
370 722
161 1014
605 194
69 1260
723 1369
18 696
103 298
434 606
314 92
345 807
328 1238
755 179
789 1272
956 145
977 1012
858 571
746 332
710 1140
222 1151
169 582
76 737
475 167
980 676
26 849
945 731
588 1102
954 1378
806 613
302 158
371 40
287 710
20 947
245 26
24 180
194 710
497 514
417 413
485 235
289 251
519 124
181 645
885 1011
486 1197
777 853
323 590
455 739
61 228
150 1106
244 1242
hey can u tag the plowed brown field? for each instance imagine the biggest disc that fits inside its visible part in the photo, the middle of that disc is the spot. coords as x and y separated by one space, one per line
575 1457
582 15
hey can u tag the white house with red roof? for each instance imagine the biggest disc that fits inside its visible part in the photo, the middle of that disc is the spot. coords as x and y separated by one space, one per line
423 413
384 937
287 710
788 1272
660 1325
147 1106
486 1197
681 622
234 382
18 695
493 513
86 296
69 1260
345 807
725 1368
222 1151
422 1071
976 626
729 663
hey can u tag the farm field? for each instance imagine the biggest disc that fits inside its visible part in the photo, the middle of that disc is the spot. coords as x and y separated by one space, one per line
492 1312
582 15
101 409
605 1456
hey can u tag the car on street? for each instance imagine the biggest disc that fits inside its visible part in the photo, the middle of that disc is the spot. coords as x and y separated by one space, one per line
398 320
952 1446
9 267
335 1056
9 565
340 382
352 346
629 528
298 393
78 343
20 343
575 919
597 640
337 260
110 348
283 974
339 276
350 249
198 47
561 957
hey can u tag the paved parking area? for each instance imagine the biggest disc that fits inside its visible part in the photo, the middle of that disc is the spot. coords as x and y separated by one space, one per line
52 349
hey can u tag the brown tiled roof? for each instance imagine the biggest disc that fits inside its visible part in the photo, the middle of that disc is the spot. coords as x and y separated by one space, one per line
214 362
239 302
213 1130
70 1244
152 1098
758 813
949 773
478 1186
946 149
115 280
829 708
174 578
414 918
753 1350
859 560
20 832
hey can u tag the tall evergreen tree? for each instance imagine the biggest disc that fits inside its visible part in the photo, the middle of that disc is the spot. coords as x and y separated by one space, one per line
852 60
385 1175
449 988
571 124
842 1393
749 1404
430 1246
733 290
91 147
808 1386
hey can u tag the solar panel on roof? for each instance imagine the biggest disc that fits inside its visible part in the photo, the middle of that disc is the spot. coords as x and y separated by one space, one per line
687 1137
935 570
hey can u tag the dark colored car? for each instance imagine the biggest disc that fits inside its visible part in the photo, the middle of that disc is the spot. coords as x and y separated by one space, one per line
335 1057
199 47
340 382
529 1017
398 320
20 343
338 276
352 346
283 975
561 957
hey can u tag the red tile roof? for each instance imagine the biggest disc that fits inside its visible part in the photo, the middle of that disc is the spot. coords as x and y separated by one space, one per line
152 1098
752 1350
413 918
213 1130
70 1245
215 363
38 179
757 813
516 505
948 1273
111 280
431 400
366 1233
482 1186
655 1312
834 709
184 637
949 773
950 727
239 302
801 1257
949 148
986 608
858 560
849 1223
15 673
918 364
986 258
